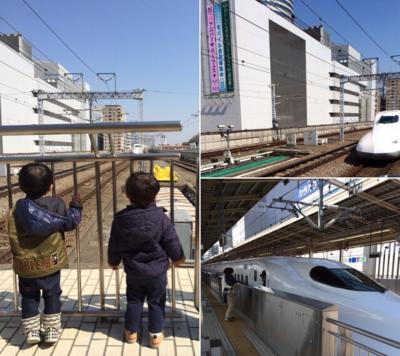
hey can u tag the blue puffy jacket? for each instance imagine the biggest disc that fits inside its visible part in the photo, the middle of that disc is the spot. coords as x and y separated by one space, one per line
34 220
145 240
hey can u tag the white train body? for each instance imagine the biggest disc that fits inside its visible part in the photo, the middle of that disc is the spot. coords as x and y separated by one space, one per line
372 307
383 142
139 148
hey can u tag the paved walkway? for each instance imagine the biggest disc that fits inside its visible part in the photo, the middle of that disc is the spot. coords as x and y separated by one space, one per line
94 336
234 338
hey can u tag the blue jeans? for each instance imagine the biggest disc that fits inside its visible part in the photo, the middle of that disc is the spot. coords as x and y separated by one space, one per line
154 290
30 290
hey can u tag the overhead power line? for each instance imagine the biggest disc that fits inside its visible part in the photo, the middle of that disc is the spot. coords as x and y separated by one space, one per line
59 37
363 29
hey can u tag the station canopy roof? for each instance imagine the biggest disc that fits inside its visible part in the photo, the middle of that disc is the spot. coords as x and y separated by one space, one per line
378 221
239 196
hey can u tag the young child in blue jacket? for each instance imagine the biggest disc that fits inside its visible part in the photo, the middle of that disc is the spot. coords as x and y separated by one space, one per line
144 239
35 229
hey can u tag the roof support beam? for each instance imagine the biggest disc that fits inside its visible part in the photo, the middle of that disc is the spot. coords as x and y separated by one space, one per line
366 196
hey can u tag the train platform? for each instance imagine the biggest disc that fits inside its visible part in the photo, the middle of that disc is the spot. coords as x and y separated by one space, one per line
220 337
104 336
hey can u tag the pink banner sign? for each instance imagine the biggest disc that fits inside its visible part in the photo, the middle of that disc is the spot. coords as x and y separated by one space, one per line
212 48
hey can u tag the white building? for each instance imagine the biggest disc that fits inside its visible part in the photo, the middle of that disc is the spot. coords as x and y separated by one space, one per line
20 78
268 49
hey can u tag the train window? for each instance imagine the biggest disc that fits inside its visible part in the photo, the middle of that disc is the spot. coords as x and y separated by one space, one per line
246 281
388 119
345 278
255 276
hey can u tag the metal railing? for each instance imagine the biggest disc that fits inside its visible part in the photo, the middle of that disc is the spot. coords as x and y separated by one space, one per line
97 158
345 343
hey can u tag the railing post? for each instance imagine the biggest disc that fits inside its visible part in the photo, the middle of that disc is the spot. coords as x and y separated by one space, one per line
53 184
10 205
77 243
172 217
197 256
131 167
151 167
114 195
99 211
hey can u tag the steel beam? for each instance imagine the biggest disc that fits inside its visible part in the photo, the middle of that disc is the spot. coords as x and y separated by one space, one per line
97 128
103 157
136 94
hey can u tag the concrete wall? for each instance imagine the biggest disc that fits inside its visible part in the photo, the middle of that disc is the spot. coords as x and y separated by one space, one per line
214 142
17 82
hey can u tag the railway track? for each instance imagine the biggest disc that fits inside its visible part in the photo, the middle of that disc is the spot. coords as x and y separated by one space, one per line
186 165
304 165
374 169
58 175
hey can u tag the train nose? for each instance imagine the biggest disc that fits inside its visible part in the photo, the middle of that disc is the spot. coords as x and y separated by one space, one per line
366 145
379 145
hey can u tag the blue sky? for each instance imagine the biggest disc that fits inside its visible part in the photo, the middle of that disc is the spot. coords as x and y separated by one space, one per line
379 17
149 44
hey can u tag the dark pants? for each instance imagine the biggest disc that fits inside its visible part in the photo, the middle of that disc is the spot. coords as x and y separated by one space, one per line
30 290
154 290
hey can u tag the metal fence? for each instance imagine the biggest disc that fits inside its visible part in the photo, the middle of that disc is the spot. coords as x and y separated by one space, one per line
351 340
97 158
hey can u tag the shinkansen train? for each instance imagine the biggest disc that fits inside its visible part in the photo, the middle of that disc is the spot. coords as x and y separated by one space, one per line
383 142
361 301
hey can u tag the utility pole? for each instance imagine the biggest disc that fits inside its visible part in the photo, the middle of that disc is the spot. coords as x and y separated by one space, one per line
275 120
321 225
41 121
273 98
341 134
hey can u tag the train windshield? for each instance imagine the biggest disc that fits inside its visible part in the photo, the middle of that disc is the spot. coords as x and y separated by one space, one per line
345 278
388 119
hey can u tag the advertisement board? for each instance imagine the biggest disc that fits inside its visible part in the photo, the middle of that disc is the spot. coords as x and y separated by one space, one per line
219 47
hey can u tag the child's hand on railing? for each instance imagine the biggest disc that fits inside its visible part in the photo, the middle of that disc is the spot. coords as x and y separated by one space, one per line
113 267
76 199
179 262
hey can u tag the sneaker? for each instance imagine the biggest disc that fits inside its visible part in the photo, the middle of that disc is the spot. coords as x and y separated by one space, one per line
156 340
130 336
51 335
33 337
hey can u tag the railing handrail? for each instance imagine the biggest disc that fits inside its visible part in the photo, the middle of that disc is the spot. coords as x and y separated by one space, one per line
94 128
103 157
363 332
355 343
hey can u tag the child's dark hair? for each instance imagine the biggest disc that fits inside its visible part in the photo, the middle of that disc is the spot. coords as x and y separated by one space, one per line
35 179
141 189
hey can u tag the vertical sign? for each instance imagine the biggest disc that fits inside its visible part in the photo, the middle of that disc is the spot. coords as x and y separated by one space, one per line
212 50
220 47
226 25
